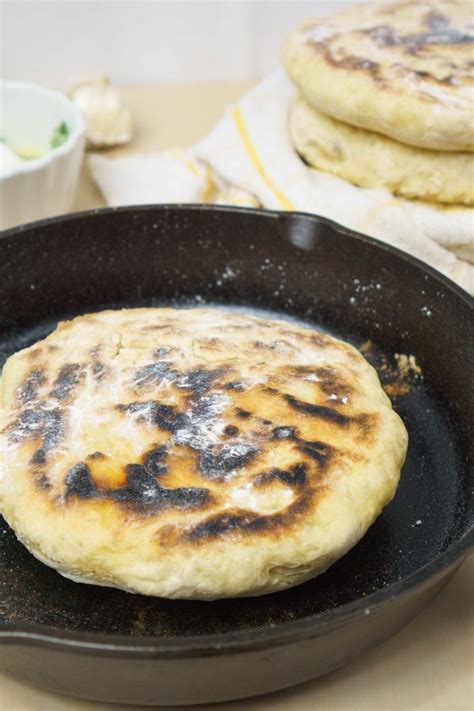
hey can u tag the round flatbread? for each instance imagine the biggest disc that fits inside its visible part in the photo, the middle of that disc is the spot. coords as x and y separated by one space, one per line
371 160
403 69
193 453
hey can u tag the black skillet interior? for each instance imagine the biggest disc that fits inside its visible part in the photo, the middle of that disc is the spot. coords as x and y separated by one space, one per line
295 266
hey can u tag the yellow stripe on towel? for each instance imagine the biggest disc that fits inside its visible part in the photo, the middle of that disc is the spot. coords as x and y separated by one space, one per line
178 154
199 171
210 187
255 160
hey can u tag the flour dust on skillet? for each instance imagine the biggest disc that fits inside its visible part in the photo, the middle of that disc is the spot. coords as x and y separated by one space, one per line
292 265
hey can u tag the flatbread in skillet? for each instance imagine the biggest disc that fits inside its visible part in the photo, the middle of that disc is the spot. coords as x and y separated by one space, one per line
193 453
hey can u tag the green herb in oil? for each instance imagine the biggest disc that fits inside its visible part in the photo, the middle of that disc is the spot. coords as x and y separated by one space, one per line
60 134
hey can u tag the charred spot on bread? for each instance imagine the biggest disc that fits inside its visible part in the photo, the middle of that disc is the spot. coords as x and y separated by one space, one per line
68 378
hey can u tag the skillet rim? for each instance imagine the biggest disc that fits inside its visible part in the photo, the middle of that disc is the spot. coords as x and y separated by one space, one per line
256 212
285 632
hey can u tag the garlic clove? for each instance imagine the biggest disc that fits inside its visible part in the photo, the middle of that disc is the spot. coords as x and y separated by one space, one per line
108 121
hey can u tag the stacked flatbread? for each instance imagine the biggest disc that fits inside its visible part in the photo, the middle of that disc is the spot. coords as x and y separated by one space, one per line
383 114
387 97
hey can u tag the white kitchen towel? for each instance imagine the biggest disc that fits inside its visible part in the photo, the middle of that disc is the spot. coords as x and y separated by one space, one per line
175 175
251 150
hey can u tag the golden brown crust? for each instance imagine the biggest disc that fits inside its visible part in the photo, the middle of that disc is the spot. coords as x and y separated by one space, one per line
376 65
252 421
199 427
371 160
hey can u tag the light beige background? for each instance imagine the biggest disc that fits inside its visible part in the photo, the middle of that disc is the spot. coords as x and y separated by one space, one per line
429 665
151 41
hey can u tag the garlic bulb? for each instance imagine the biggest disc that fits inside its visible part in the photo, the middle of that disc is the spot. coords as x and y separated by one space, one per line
108 121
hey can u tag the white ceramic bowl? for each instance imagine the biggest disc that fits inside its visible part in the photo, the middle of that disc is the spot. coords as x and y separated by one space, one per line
44 186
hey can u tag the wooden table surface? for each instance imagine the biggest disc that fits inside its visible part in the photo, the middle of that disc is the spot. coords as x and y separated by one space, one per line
429 665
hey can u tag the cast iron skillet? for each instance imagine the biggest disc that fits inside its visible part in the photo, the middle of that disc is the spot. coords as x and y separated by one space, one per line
106 644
